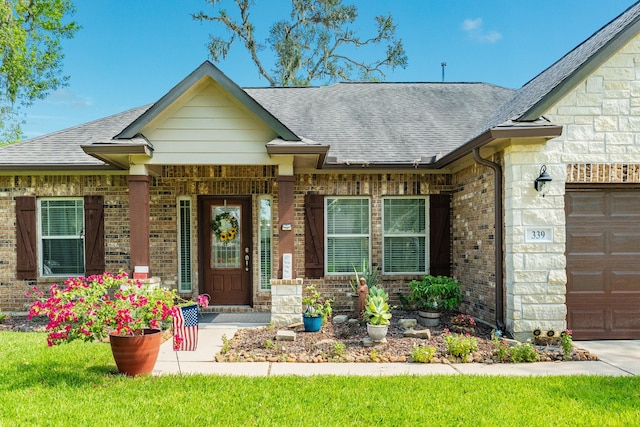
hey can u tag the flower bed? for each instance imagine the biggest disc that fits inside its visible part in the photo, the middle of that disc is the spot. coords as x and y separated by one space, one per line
343 343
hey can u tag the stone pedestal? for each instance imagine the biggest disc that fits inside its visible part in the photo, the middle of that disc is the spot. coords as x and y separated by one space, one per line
286 301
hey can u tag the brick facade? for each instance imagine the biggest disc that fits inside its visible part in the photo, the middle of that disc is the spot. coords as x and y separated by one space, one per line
473 229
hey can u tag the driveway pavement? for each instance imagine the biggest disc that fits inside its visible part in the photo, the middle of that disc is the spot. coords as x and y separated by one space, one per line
617 358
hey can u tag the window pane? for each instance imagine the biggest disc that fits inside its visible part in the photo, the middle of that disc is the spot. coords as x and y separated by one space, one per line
62 217
265 244
404 235
185 245
347 216
62 245
63 256
404 254
226 238
345 252
404 216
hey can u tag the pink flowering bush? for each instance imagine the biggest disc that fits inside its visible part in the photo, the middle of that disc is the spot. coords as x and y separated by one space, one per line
89 308
463 320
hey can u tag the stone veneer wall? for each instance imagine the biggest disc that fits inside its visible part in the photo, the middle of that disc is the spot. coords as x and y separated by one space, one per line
600 144
116 212
473 225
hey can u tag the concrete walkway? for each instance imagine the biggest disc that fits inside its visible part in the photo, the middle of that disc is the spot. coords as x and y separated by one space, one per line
617 358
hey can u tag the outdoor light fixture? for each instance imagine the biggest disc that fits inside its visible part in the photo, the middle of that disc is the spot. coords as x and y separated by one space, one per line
541 184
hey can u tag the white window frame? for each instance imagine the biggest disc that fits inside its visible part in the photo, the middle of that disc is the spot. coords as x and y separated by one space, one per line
188 283
41 238
265 282
349 271
426 235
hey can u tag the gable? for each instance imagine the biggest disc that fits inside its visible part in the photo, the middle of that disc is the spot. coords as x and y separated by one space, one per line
207 125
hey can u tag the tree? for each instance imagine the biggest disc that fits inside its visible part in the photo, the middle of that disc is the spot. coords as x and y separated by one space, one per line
310 46
30 56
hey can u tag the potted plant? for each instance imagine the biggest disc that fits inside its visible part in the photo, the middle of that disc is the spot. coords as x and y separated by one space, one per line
378 314
317 310
433 294
127 312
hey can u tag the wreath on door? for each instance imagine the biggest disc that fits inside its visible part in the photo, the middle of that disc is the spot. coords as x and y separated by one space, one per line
225 227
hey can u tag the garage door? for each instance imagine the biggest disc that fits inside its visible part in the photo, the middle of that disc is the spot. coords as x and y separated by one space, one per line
603 263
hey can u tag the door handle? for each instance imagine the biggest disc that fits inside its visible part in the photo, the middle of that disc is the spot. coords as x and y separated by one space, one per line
246 259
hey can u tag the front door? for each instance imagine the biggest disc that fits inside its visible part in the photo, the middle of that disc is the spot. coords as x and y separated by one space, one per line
225 249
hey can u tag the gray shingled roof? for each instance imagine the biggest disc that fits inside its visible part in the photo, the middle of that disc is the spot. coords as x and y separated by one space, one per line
536 96
384 122
62 149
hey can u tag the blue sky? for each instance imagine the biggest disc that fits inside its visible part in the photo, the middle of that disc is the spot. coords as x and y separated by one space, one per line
131 52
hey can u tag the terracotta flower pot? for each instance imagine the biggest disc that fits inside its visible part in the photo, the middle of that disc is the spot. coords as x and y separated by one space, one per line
136 354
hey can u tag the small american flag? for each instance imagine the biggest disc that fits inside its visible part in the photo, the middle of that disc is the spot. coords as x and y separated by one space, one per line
185 328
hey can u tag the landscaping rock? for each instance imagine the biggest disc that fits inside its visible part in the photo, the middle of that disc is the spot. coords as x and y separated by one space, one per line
340 318
283 335
424 334
368 342
407 323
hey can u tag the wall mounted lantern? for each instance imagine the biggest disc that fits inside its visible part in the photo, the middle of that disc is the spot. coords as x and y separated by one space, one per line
541 184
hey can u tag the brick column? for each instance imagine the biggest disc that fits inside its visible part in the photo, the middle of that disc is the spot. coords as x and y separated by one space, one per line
139 220
285 220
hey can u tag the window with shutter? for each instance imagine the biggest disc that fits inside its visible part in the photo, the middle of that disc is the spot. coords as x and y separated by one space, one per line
61 230
405 227
264 243
184 244
348 231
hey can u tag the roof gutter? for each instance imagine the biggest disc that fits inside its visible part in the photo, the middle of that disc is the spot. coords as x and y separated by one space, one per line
517 130
499 226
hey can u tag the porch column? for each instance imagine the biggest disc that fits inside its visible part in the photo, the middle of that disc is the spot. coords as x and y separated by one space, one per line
285 221
139 220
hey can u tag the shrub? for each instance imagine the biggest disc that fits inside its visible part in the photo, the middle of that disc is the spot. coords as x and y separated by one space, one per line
460 345
524 353
502 349
436 293
423 353
566 340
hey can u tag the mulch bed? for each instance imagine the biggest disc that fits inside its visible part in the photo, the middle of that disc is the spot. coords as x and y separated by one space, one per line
343 342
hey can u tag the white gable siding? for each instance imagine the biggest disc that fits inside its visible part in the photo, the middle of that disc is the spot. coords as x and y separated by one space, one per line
210 127
601 119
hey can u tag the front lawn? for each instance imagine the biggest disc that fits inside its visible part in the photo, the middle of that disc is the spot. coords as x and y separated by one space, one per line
74 384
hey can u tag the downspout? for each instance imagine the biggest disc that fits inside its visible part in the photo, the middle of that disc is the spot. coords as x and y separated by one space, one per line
499 226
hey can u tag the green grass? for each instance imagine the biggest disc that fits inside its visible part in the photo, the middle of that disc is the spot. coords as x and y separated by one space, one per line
74 384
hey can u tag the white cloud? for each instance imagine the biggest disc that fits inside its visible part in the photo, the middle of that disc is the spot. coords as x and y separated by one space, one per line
65 97
476 32
472 24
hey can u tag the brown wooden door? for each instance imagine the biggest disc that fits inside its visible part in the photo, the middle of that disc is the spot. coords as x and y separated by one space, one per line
603 263
225 249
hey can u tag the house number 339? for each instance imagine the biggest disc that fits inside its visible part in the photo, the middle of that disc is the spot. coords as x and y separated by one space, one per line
539 235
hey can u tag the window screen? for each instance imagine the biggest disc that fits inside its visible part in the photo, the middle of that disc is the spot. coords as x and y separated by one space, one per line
62 237
404 235
347 233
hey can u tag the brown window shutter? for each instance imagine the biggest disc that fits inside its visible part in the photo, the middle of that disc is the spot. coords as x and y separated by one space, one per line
26 238
440 235
314 236
94 234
